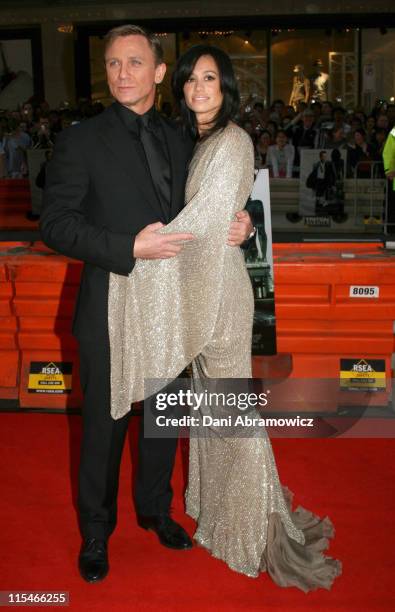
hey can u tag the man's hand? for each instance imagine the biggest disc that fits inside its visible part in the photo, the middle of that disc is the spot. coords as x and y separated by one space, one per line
240 230
149 244
390 175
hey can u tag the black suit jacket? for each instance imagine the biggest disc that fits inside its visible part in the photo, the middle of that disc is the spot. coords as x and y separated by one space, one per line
98 196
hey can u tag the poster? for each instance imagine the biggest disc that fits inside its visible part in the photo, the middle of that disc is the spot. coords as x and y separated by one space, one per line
52 377
321 186
362 375
259 260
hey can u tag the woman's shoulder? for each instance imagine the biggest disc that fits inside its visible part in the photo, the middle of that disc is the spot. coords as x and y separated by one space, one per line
231 140
234 132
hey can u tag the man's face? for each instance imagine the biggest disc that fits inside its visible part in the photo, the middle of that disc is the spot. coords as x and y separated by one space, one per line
323 157
308 121
382 121
391 112
132 73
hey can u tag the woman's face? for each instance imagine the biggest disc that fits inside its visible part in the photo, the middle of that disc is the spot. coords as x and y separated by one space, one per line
265 139
281 140
202 91
359 139
370 123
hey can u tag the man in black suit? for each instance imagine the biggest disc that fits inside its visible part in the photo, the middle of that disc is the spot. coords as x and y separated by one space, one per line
113 182
303 135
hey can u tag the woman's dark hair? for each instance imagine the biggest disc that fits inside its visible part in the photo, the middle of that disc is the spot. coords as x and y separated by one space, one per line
228 84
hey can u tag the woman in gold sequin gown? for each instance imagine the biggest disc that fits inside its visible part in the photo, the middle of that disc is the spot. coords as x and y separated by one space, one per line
198 307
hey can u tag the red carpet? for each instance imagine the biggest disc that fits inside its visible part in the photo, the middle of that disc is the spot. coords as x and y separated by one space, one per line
350 480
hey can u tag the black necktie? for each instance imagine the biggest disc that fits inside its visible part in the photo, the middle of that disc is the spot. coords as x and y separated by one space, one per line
158 162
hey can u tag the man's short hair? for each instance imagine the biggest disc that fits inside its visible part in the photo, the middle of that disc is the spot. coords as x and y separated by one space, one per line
135 30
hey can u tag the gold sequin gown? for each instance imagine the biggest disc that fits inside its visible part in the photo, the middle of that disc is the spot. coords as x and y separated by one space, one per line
198 307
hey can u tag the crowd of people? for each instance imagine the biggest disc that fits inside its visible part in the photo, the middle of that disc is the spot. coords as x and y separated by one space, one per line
35 125
280 132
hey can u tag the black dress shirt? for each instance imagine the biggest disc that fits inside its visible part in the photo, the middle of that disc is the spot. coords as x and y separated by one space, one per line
148 136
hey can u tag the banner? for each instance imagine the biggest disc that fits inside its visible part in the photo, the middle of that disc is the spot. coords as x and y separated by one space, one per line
321 186
259 260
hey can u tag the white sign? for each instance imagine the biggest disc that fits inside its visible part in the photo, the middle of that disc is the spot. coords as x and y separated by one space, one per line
365 291
369 78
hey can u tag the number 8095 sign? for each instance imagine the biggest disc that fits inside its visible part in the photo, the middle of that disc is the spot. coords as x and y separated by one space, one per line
364 291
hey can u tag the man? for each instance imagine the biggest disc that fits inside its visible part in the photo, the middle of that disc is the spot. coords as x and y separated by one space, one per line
389 169
302 134
113 182
321 179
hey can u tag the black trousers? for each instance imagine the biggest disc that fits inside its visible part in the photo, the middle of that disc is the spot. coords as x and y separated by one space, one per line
101 450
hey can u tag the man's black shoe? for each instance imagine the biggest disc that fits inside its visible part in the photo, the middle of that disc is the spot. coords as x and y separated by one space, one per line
170 533
93 560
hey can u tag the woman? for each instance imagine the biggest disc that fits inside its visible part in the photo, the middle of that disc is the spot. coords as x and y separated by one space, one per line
360 156
370 128
261 149
16 146
198 307
280 157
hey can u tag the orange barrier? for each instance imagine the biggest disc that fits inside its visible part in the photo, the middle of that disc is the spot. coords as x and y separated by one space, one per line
9 355
43 287
324 332
15 202
335 312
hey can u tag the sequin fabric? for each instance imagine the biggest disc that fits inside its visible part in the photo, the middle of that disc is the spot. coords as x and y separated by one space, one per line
165 312
198 307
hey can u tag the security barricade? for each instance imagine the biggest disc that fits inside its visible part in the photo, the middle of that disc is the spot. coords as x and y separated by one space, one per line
9 354
335 312
370 193
43 288
9 350
15 203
